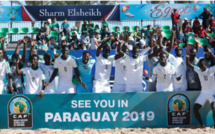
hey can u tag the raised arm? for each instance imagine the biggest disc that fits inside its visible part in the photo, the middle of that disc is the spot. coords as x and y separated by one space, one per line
187 59
9 79
3 49
18 71
33 44
152 44
98 51
197 45
18 46
77 73
25 41
169 49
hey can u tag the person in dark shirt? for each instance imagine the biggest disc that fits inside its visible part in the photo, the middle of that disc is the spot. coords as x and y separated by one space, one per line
205 17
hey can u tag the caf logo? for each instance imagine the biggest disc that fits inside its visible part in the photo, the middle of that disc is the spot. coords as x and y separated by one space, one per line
20 112
178 110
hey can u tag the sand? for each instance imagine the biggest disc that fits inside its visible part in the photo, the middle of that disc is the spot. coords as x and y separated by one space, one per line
207 130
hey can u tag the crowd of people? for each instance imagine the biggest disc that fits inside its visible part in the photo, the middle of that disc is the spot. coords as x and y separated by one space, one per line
167 73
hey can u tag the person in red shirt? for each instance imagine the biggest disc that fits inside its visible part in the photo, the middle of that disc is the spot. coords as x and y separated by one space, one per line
188 28
196 24
201 32
175 19
187 45
212 24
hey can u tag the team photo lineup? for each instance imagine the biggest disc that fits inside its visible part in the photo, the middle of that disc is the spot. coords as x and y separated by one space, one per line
63 73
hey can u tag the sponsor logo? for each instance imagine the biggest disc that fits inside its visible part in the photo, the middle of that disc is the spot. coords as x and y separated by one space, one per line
178 110
20 112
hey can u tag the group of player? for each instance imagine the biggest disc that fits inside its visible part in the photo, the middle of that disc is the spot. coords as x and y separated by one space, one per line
169 72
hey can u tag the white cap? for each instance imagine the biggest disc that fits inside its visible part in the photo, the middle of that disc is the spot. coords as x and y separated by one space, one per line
49 20
185 19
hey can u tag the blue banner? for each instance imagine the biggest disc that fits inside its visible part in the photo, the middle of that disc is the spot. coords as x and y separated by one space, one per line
99 111
72 12
10 13
162 11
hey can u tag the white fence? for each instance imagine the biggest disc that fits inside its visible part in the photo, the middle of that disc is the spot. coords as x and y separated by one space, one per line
72 23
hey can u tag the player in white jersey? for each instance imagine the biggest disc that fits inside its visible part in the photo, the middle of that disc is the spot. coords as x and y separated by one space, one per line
65 65
120 66
4 70
165 73
206 76
134 65
104 64
48 69
180 66
120 70
34 77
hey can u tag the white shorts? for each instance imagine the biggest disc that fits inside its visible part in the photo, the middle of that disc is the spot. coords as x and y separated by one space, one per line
180 87
51 90
66 88
118 88
203 98
1 88
134 87
101 87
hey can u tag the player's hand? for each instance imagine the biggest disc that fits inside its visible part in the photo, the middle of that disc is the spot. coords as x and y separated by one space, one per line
112 37
25 40
33 43
47 85
19 42
187 52
126 38
146 78
2 41
83 85
121 36
41 94
11 89
179 78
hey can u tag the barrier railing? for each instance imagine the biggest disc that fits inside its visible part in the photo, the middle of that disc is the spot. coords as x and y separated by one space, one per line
107 110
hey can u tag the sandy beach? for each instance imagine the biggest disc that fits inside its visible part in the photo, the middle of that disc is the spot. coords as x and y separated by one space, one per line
207 130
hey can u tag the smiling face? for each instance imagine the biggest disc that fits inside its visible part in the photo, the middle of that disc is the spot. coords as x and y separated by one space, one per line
47 58
163 59
65 51
178 51
86 57
202 64
193 53
34 60
106 51
135 52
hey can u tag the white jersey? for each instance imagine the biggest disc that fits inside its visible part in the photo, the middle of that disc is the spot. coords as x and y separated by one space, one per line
4 69
120 71
165 76
206 79
34 80
180 69
93 44
134 75
103 68
65 69
48 70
